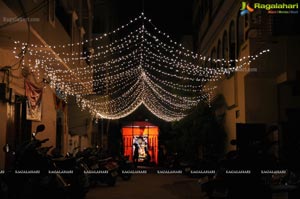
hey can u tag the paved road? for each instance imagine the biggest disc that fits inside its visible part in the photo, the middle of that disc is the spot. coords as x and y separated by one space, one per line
150 186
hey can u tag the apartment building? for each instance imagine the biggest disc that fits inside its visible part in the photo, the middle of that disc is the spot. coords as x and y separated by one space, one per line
264 92
43 25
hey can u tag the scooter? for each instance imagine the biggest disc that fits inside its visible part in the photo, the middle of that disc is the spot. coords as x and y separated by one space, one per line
29 178
75 177
125 165
112 168
103 171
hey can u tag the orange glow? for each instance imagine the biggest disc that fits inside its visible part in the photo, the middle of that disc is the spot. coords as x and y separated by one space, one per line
141 129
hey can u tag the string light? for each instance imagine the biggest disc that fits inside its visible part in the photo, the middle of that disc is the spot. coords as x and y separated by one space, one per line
140 67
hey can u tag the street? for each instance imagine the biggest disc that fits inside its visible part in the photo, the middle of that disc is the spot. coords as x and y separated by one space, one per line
166 91
150 186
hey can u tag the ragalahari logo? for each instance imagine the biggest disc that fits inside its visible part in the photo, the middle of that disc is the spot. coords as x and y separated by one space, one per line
246 8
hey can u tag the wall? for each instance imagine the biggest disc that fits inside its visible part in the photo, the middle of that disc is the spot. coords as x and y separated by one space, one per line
271 89
3 117
261 104
48 105
233 90
53 33
3 114
287 101
41 30
48 118
79 123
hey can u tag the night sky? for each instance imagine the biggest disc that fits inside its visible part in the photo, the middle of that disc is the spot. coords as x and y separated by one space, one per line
172 17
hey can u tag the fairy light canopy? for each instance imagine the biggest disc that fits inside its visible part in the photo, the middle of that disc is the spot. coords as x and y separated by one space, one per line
135 64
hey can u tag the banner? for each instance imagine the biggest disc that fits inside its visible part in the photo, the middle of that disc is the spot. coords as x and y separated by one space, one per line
34 102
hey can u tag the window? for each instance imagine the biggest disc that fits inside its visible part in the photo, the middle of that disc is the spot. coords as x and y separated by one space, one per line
225 46
232 43
225 52
240 32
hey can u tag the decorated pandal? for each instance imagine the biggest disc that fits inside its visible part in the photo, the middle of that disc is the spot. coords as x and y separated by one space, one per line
143 137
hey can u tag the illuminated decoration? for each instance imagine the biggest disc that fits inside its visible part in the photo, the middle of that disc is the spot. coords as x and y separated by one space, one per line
132 65
142 135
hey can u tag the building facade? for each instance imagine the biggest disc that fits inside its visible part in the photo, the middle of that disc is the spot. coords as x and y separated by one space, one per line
265 91
41 23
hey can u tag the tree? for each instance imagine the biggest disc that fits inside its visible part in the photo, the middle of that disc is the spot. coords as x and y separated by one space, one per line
200 135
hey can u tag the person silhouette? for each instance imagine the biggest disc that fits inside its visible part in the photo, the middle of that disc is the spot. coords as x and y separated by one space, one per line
148 157
136 154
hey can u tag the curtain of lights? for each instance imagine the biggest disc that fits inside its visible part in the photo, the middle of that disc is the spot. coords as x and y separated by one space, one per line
134 64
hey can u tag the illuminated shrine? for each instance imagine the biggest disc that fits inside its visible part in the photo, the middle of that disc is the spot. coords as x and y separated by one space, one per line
144 136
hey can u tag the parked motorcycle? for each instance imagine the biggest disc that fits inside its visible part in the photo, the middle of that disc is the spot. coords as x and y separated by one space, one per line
125 165
30 176
104 170
75 177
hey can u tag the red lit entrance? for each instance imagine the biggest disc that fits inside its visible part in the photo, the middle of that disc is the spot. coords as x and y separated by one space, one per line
144 135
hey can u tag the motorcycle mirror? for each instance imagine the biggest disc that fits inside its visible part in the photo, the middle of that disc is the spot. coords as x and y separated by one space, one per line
39 128
6 148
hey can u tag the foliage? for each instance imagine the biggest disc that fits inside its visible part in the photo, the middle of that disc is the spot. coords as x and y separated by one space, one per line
199 135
